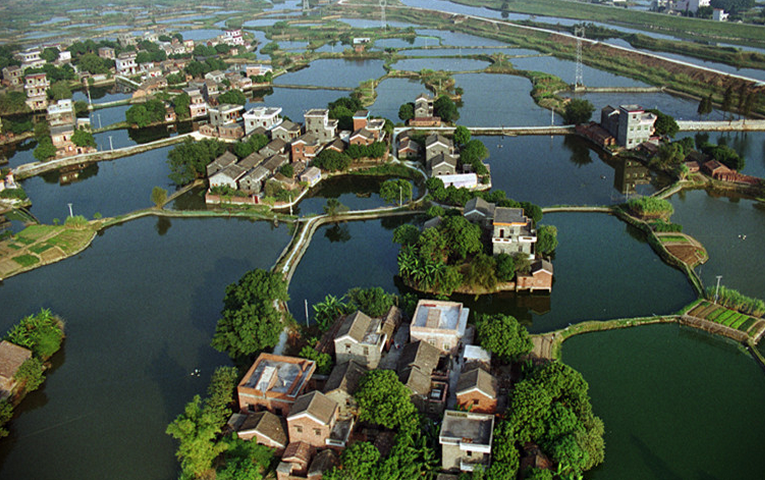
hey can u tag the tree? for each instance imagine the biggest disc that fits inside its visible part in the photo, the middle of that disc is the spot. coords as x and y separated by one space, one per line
482 272
705 105
234 97
727 100
181 106
384 400
13 102
50 54
503 336
445 108
196 430
329 310
159 196
344 117
406 234
406 112
547 239
323 361
665 124
44 150
461 135
462 236
359 460
332 160
30 374
93 64
373 301
396 190
59 90
578 111
334 207
250 320
189 160
83 138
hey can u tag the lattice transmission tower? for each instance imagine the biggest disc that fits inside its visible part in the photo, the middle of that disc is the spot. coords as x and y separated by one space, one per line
306 5
382 14
578 77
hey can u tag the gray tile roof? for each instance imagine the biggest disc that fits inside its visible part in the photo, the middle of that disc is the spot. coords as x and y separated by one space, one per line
345 377
355 326
267 424
420 354
315 403
480 379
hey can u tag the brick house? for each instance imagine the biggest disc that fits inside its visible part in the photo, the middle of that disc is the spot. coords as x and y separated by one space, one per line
718 171
440 323
342 384
296 466
312 418
286 131
360 339
465 440
362 136
304 148
540 277
12 357
273 383
477 391
408 148
263 428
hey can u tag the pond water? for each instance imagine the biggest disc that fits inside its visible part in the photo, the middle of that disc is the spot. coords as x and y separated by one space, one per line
512 107
133 339
112 27
717 222
438 52
107 116
293 45
668 378
356 193
19 153
325 73
574 174
446 64
201 34
392 93
100 95
364 23
418 41
127 180
566 70
260 22
459 39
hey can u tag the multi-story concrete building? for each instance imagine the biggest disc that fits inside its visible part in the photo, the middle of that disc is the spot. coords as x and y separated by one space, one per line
441 324
317 122
125 64
265 117
360 339
273 383
36 86
512 232
61 113
635 126
465 440
225 114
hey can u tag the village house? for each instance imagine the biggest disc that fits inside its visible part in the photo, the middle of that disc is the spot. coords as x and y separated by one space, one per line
216 76
338 145
234 36
252 181
390 323
630 124
257 70
225 114
275 162
359 339
474 356
512 232
478 210
126 39
220 163
295 464
465 440
265 117
13 76
313 419
423 112
441 164
440 323
540 277
318 123
311 176
286 131
12 357
477 391
106 53
30 58
197 104
231 131
125 64
36 86
61 113
263 428
274 147
227 177
210 90
416 367
362 137
407 148
718 171
341 386
304 148
273 383
150 87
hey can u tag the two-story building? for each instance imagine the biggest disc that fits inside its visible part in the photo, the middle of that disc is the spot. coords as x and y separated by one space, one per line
125 64
360 339
440 323
286 131
465 440
313 419
416 367
512 232
265 117
197 104
341 386
318 123
273 383
225 114
305 148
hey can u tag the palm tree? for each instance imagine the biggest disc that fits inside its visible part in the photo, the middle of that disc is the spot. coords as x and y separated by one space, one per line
327 311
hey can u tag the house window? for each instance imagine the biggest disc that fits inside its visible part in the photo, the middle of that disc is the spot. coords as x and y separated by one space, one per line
348 347
469 453
298 429
316 432
366 351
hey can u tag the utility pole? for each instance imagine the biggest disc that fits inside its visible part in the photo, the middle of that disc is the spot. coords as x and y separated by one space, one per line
111 147
306 311
70 210
717 290
400 196
382 14
99 121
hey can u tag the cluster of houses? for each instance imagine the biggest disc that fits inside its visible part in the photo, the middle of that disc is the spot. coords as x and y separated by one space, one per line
629 126
423 112
63 123
290 144
309 419
679 7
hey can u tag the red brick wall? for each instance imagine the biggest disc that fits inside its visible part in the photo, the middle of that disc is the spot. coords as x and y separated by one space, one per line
305 430
483 405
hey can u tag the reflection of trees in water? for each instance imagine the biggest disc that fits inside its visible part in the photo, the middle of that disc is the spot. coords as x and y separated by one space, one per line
163 225
338 233
580 152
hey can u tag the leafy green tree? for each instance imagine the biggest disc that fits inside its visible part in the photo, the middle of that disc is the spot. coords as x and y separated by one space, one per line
360 459
665 124
30 374
332 160
534 212
159 196
334 207
406 112
196 430
287 170
93 64
482 272
6 414
461 135
396 190
250 321
503 336
81 108
329 310
505 270
344 117
473 153
547 239
445 108
83 138
181 105
41 333
50 54
578 111
221 391
323 361
44 150
234 97
59 91
373 301
462 236
384 400
406 234
13 102
189 160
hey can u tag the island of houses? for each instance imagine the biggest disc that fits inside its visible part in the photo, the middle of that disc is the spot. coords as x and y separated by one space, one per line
309 419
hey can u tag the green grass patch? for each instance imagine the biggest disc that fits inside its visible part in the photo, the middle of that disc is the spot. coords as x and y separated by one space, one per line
744 327
730 319
740 321
24 240
726 315
712 316
37 231
38 249
70 240
672 238
15 246
26 260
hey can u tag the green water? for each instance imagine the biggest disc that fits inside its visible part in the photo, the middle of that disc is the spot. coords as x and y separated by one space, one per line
677 403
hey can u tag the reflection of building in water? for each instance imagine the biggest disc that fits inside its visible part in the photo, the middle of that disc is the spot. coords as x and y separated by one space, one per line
628 174
536 303
77 173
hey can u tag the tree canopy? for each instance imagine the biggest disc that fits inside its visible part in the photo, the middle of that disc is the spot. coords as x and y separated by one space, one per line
547 239
396 190
233 97
461 135
189 160
406 111
503 336
384 400
665 124
446 109
250 319
331 160
578 111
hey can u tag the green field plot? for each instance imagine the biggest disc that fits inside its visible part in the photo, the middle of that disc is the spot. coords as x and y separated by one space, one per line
70 240
672 238
744 327
34 232
26 260
739 321
40 248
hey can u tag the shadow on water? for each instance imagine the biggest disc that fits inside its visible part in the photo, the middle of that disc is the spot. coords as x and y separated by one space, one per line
580 150
659 467
338 233
163 225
